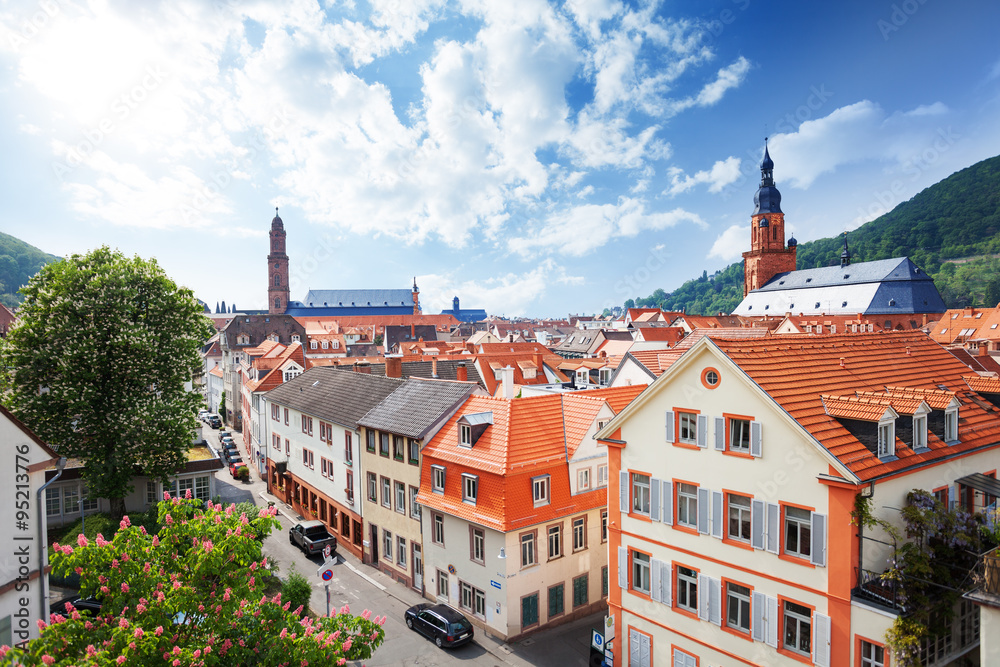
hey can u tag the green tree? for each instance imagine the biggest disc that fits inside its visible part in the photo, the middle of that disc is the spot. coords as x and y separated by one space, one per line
222 406
97 364
189 595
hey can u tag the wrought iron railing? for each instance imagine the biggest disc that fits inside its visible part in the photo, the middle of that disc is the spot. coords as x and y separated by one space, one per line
873 587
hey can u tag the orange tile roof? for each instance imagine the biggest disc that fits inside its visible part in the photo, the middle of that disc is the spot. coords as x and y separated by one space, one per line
656 361
963 324
982 384
797 373
937 399
529 436
855 407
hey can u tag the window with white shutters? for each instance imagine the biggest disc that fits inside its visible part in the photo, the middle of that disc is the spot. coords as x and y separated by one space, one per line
682 659
640 649
821 640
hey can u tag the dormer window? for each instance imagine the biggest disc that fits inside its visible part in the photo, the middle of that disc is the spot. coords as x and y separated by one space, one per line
326 344
951 425
886 439
472 426
605 376
312 345
465 435
243 339
295 338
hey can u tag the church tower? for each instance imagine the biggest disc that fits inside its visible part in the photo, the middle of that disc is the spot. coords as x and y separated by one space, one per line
277 269
768 254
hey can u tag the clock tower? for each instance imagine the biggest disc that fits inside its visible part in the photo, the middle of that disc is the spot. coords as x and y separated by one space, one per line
768 254
277 269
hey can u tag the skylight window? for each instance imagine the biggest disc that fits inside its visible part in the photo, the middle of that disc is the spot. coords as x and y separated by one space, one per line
809 280
843 305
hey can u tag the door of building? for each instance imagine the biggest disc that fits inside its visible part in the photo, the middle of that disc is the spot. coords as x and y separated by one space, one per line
373 538
418 567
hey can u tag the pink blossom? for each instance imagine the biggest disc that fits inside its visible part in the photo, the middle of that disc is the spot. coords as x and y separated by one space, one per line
41 624
105 589
374 635
81 540
208 546
304 663
140 608
225 596
101 542
342 661
346 609
284 632
347 645
131 645
146 568
208 649
187 494
114 564
159 630
176 662
166 495
138 633
177 650
3 651
124 587
201 607
91 651
156 539
101 578
366 614
197 653
78 569
122 623
121 659
142 529
169 519
177 585
48 659
125 522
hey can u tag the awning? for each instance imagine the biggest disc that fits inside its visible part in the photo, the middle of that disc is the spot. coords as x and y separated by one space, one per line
981 482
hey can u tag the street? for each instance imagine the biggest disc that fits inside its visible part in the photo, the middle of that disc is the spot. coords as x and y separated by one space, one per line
362 587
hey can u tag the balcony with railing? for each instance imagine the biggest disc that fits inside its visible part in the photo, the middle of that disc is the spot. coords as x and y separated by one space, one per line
876 590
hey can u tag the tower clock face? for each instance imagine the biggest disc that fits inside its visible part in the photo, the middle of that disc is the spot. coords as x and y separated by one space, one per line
275 265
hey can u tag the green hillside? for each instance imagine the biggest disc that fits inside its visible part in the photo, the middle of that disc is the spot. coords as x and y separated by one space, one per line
18 262
951 230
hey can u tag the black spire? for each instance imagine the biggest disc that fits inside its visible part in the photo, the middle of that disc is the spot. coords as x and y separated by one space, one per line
767 199
845 254
276 223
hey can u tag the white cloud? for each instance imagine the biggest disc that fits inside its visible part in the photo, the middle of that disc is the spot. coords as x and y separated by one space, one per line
859 132
722 173
509 293
578 230
730 244
726 78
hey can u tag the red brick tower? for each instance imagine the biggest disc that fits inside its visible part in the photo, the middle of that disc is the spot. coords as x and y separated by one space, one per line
277 269
768 254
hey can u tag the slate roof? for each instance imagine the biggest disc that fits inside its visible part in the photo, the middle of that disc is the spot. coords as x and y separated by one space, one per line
316 298
415 407
796 373
887 286
334 395
259 327
447 369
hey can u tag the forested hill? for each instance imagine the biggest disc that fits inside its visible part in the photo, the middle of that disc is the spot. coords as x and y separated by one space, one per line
956 219
18 262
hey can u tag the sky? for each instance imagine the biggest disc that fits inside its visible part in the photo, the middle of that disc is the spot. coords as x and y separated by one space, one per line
532 158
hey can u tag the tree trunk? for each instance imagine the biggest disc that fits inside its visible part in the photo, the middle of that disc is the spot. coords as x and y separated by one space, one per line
117 507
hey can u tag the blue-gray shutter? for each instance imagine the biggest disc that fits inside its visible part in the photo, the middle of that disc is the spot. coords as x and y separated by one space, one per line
773 527
670 426
623 567
702 431
667 501
703 596
818 555
759 613
655 574
654 499
704 511
666 577
755 439
720 434
772 621
717 521
757 508
715 601
821 640
623 492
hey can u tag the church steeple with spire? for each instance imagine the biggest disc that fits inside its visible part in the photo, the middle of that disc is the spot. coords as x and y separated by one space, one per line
277 269
768 254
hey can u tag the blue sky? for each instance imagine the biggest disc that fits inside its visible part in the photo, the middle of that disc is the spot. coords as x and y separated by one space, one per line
532 158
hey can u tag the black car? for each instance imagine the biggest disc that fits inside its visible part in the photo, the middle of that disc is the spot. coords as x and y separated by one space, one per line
445 625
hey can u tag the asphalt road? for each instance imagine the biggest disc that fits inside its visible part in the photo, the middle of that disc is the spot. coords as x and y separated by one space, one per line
362 587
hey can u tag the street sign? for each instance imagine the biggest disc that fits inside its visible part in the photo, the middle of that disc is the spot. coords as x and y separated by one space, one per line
495 584
609 627
325 571
597 640
327 550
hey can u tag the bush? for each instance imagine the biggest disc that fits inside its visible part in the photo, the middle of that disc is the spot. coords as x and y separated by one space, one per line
296 590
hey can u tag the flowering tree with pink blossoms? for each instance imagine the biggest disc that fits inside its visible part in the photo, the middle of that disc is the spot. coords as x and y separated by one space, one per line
189 595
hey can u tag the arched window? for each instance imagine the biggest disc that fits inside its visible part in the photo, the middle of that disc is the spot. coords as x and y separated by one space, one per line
277 302
277 279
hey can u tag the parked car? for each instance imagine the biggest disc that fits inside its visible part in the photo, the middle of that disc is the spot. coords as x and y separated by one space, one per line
202 414
311 537
234 467
230 455
224 433
446 625
214 421
228 440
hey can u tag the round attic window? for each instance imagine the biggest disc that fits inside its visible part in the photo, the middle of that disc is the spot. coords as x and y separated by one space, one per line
710 378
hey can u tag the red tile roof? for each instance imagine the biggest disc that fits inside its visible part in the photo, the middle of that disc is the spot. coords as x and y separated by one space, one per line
982 384
796 373
656 361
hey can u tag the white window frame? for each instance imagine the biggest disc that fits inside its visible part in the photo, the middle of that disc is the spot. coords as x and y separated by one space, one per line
801 525
477 546
735 422
401 551
743 601
400 488
791 616
553 541
688 583
529 555
690 502
540 487
583 479
886 438
687 428
470 488
579 533
951 425
743 516
919 431
437 478
868 657
640 493
465 435
641 572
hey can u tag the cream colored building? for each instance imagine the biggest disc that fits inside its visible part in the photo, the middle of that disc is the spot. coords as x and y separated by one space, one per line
734 477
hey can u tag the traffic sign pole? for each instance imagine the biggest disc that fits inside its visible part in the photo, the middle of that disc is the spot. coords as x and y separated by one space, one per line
328 600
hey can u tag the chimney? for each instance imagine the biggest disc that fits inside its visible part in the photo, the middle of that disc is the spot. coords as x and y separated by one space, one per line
507 379
462 372
538 362
434 366
984 350
362 367
393 366
907 350
413 330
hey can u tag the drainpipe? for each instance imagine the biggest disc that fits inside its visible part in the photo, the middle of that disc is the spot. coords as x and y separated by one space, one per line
43 552
861 533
